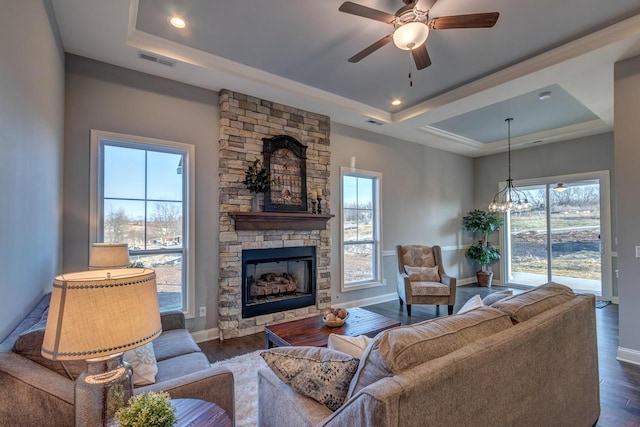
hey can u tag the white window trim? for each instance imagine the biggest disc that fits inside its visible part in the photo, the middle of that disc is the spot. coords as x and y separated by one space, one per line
377 281
95 183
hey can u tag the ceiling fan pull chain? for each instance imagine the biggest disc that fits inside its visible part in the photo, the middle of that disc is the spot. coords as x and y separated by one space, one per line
410 79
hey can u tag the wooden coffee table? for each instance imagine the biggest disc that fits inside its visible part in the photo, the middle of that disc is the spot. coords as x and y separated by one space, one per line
313 332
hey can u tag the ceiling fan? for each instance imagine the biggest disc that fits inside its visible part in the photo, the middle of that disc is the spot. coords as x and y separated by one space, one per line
411 27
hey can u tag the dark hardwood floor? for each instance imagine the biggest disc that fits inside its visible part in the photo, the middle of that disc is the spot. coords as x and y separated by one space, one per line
619 382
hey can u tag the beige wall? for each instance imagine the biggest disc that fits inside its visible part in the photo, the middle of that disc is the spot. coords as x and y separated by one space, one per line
425 193
31 135
110 98
627 158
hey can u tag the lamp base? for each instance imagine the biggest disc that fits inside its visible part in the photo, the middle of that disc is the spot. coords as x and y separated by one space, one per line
105 387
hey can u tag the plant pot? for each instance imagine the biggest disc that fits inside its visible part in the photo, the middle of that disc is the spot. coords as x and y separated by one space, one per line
255 203
484 278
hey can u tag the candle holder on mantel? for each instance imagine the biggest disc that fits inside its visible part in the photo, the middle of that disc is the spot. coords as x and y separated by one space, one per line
319 204
313 206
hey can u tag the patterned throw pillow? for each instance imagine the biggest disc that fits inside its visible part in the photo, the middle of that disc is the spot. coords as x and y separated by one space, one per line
143 362
422 274
319 373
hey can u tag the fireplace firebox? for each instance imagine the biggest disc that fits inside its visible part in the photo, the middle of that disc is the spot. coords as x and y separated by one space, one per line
278 279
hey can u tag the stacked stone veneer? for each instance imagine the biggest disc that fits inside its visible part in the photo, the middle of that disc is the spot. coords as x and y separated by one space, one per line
244 121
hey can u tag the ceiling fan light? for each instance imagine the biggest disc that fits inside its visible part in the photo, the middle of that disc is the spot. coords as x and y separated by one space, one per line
560 188
410 35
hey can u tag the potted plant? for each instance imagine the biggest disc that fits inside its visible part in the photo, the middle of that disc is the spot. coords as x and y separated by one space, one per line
257 181
481 251
147 409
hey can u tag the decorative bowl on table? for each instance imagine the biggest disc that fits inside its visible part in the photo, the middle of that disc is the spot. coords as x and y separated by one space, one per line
335 317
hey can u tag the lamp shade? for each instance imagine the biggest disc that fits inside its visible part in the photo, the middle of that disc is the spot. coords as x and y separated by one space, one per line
108 255
94 314
410 35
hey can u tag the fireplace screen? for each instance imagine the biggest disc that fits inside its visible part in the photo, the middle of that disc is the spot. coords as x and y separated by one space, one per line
277 279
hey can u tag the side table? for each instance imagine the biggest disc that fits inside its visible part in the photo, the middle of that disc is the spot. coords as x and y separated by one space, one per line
196 412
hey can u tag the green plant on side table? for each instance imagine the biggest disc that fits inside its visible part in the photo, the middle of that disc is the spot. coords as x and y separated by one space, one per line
481 251
257 181
147 409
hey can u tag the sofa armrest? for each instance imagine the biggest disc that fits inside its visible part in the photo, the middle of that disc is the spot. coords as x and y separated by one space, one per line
212 384
36 394
172 319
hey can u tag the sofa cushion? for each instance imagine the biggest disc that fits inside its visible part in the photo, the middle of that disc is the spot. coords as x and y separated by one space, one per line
524 306
175 342
422 274
143 362
29 345
319 373
496 296
354 346
179 366
404 347
473 302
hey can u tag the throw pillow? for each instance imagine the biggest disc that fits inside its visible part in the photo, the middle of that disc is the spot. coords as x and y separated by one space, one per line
474 302
353 346
496 296
143 362
422 274
319 373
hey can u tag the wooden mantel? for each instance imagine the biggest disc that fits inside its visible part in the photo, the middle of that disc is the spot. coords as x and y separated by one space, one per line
280 220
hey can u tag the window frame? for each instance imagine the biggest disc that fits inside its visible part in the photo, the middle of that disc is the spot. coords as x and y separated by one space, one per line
377 280
96 220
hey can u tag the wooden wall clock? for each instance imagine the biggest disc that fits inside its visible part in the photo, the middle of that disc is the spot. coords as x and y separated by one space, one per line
286 160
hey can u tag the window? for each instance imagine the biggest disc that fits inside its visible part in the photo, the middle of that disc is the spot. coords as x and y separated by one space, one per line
361 233
141 196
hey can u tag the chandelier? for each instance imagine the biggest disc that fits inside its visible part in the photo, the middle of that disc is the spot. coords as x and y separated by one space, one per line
509 198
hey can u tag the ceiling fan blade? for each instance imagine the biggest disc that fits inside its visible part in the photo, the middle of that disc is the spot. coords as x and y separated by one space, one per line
369 50
475 20
366 12
421 57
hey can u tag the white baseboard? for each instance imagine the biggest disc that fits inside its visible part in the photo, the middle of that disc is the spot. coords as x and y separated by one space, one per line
368 301
615 300
206 335
465 281
628 355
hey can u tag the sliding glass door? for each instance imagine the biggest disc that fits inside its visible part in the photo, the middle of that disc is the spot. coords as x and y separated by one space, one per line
561 238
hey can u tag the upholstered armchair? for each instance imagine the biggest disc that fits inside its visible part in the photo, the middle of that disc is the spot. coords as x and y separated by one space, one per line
422 279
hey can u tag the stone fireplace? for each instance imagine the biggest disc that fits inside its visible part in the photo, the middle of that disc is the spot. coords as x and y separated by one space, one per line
244 122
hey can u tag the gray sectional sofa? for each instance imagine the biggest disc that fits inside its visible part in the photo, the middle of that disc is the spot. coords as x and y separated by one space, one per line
38 392
527 360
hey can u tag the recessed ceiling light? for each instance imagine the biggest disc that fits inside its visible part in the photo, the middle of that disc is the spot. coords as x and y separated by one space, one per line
396 102
544 96
177 22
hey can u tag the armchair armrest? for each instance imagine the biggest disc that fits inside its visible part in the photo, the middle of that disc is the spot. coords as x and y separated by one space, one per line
448 280
212 384
172 319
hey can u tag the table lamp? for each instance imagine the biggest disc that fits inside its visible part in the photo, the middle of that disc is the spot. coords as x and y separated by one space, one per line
108 255
96 316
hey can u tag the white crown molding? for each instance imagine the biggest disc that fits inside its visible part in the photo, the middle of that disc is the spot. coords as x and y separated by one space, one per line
614 33
453 137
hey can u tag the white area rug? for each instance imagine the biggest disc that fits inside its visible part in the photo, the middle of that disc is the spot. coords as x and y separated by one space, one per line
245 377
